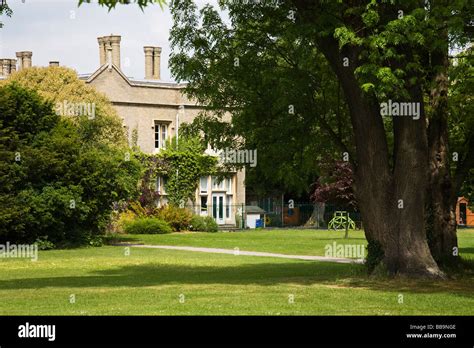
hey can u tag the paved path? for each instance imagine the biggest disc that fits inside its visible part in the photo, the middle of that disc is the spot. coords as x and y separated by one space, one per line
238 252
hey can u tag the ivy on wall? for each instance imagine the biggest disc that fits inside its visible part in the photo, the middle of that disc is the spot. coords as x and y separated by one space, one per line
182 164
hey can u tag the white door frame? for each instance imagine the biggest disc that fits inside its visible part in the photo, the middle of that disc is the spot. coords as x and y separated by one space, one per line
218 207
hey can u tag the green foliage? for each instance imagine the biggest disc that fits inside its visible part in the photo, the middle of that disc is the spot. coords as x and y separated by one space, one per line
250 70
5 9
186 164
44 244
147 226
178 218
461 118
203 224
111 4
59 84
53 183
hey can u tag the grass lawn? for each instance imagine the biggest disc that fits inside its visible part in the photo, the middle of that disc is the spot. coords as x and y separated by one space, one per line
151 281
293 242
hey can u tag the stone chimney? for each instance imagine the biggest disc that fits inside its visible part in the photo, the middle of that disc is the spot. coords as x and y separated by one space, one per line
108 54
5 66
156 63
102 53
54 63
24 59
27 60
12 66
148 62
19 56
152 62
114 42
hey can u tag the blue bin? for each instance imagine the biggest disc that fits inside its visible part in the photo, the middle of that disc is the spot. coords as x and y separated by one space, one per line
259 223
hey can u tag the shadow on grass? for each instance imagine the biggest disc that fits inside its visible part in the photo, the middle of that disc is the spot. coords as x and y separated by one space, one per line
117 239
301 273
466 251
153 274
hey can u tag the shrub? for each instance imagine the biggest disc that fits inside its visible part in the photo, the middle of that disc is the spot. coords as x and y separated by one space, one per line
178 218
55 180
203 224
147 226
44 244
123 218
211 224
197 223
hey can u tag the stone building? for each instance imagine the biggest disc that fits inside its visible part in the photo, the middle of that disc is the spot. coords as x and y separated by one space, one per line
153 110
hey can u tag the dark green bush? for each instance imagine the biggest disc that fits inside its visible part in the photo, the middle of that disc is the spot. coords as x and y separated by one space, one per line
56 183
203 224
147 226
197 223
211 224
44 244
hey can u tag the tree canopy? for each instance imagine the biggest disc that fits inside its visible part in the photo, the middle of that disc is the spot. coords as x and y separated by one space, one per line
57 180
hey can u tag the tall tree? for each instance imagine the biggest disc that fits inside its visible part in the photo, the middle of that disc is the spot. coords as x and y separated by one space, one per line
380 51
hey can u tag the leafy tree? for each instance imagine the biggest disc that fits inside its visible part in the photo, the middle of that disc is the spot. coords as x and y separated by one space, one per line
64 90
461 122
111 4
5 9
379 51
335 185
52 182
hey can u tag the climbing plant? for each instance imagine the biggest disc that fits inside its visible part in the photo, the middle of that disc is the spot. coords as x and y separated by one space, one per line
186 163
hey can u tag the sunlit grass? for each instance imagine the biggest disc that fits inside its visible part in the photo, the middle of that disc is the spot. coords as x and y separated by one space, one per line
105 281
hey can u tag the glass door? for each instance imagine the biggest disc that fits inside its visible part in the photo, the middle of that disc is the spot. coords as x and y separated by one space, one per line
218 208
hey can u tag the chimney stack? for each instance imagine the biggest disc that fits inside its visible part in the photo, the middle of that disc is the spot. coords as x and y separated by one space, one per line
152 62
19 56
148 62
27 59
5 66
102 52
156 63
12 66
114 42
24 59
53 63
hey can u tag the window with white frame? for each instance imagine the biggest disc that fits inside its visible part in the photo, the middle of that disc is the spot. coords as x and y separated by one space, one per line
218 183
203 204
160 185
161 134
203 184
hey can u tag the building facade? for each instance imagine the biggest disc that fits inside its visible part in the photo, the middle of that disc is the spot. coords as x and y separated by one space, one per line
152 111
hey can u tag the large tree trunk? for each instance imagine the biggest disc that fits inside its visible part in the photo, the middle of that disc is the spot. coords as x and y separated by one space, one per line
392 202
391 199
441 203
